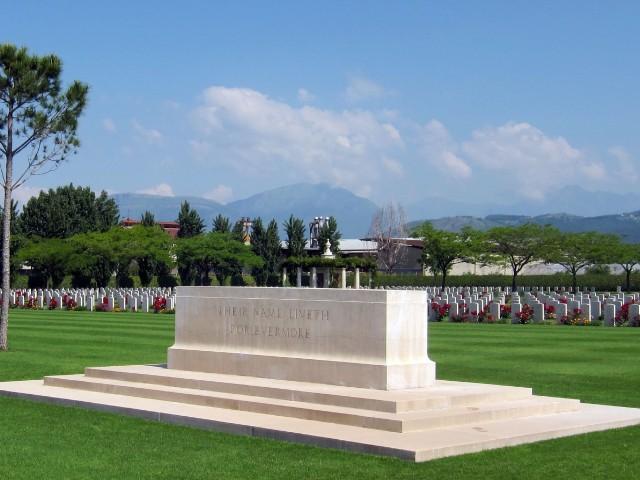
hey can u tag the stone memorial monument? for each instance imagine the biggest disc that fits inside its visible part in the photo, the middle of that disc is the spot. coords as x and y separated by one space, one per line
339 368
368 339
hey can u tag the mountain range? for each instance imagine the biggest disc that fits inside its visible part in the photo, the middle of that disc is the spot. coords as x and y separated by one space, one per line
627 225
583 210
572 200
303 200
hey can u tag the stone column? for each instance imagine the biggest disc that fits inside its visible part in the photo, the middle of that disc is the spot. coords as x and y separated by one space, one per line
356 281
326 278
343 277
314 278
299 277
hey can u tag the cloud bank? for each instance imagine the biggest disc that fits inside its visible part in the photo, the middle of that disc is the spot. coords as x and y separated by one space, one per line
382 154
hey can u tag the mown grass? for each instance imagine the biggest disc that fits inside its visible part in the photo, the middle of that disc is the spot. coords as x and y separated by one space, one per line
46 441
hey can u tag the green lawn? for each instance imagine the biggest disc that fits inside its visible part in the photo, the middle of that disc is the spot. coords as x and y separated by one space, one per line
45 441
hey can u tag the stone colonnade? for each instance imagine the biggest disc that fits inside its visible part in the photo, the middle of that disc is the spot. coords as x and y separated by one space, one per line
313 281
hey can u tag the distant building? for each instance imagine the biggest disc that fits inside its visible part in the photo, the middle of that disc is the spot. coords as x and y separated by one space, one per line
172 228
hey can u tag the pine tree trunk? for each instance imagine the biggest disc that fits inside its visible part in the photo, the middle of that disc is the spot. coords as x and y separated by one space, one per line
6 239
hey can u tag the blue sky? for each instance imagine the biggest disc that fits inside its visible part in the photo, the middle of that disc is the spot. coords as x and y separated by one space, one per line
480 101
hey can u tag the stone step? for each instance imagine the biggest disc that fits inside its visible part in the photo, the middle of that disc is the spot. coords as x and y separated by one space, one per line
415 446
441 395
392 422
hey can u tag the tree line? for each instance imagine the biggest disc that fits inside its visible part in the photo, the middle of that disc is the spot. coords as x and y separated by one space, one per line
518 246
71 231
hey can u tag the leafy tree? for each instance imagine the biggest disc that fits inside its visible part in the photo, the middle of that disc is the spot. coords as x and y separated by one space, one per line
148 247
48 259
519 246
296 242
442 249
265 243
186 254
230 256
259 247
148 219
221 224
575 251
273 249
238 231
329 232
190 222
93 258
38 124
389 223
627 255
217 252
66 211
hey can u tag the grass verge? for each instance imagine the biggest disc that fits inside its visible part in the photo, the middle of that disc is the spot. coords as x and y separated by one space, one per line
45 441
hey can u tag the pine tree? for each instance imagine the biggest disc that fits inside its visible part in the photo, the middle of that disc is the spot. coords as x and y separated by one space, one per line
190 222
38 124
296 242
147 219
221 224
329 232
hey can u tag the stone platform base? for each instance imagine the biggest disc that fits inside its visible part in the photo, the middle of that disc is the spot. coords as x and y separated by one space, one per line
449 418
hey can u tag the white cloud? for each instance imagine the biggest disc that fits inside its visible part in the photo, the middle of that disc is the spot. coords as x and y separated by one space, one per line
305 96
24 193
441 151
221 194
109 125
162 190
259 135
393 166
625 167
360 88
150 136
526 160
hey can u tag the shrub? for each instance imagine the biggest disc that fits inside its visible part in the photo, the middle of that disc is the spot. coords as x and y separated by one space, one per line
575 318
440 311
159 304
601 282
526 314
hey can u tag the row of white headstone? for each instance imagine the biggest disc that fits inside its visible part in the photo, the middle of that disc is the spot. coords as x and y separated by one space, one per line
130 299
592 305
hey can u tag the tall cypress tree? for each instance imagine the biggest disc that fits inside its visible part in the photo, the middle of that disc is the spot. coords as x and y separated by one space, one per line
272 253
148 219
190 222
221 224
295 230
329 232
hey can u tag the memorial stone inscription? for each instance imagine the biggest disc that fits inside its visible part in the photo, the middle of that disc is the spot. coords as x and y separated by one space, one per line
372 339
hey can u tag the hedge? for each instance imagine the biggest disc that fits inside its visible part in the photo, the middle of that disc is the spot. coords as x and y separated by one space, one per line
601 282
